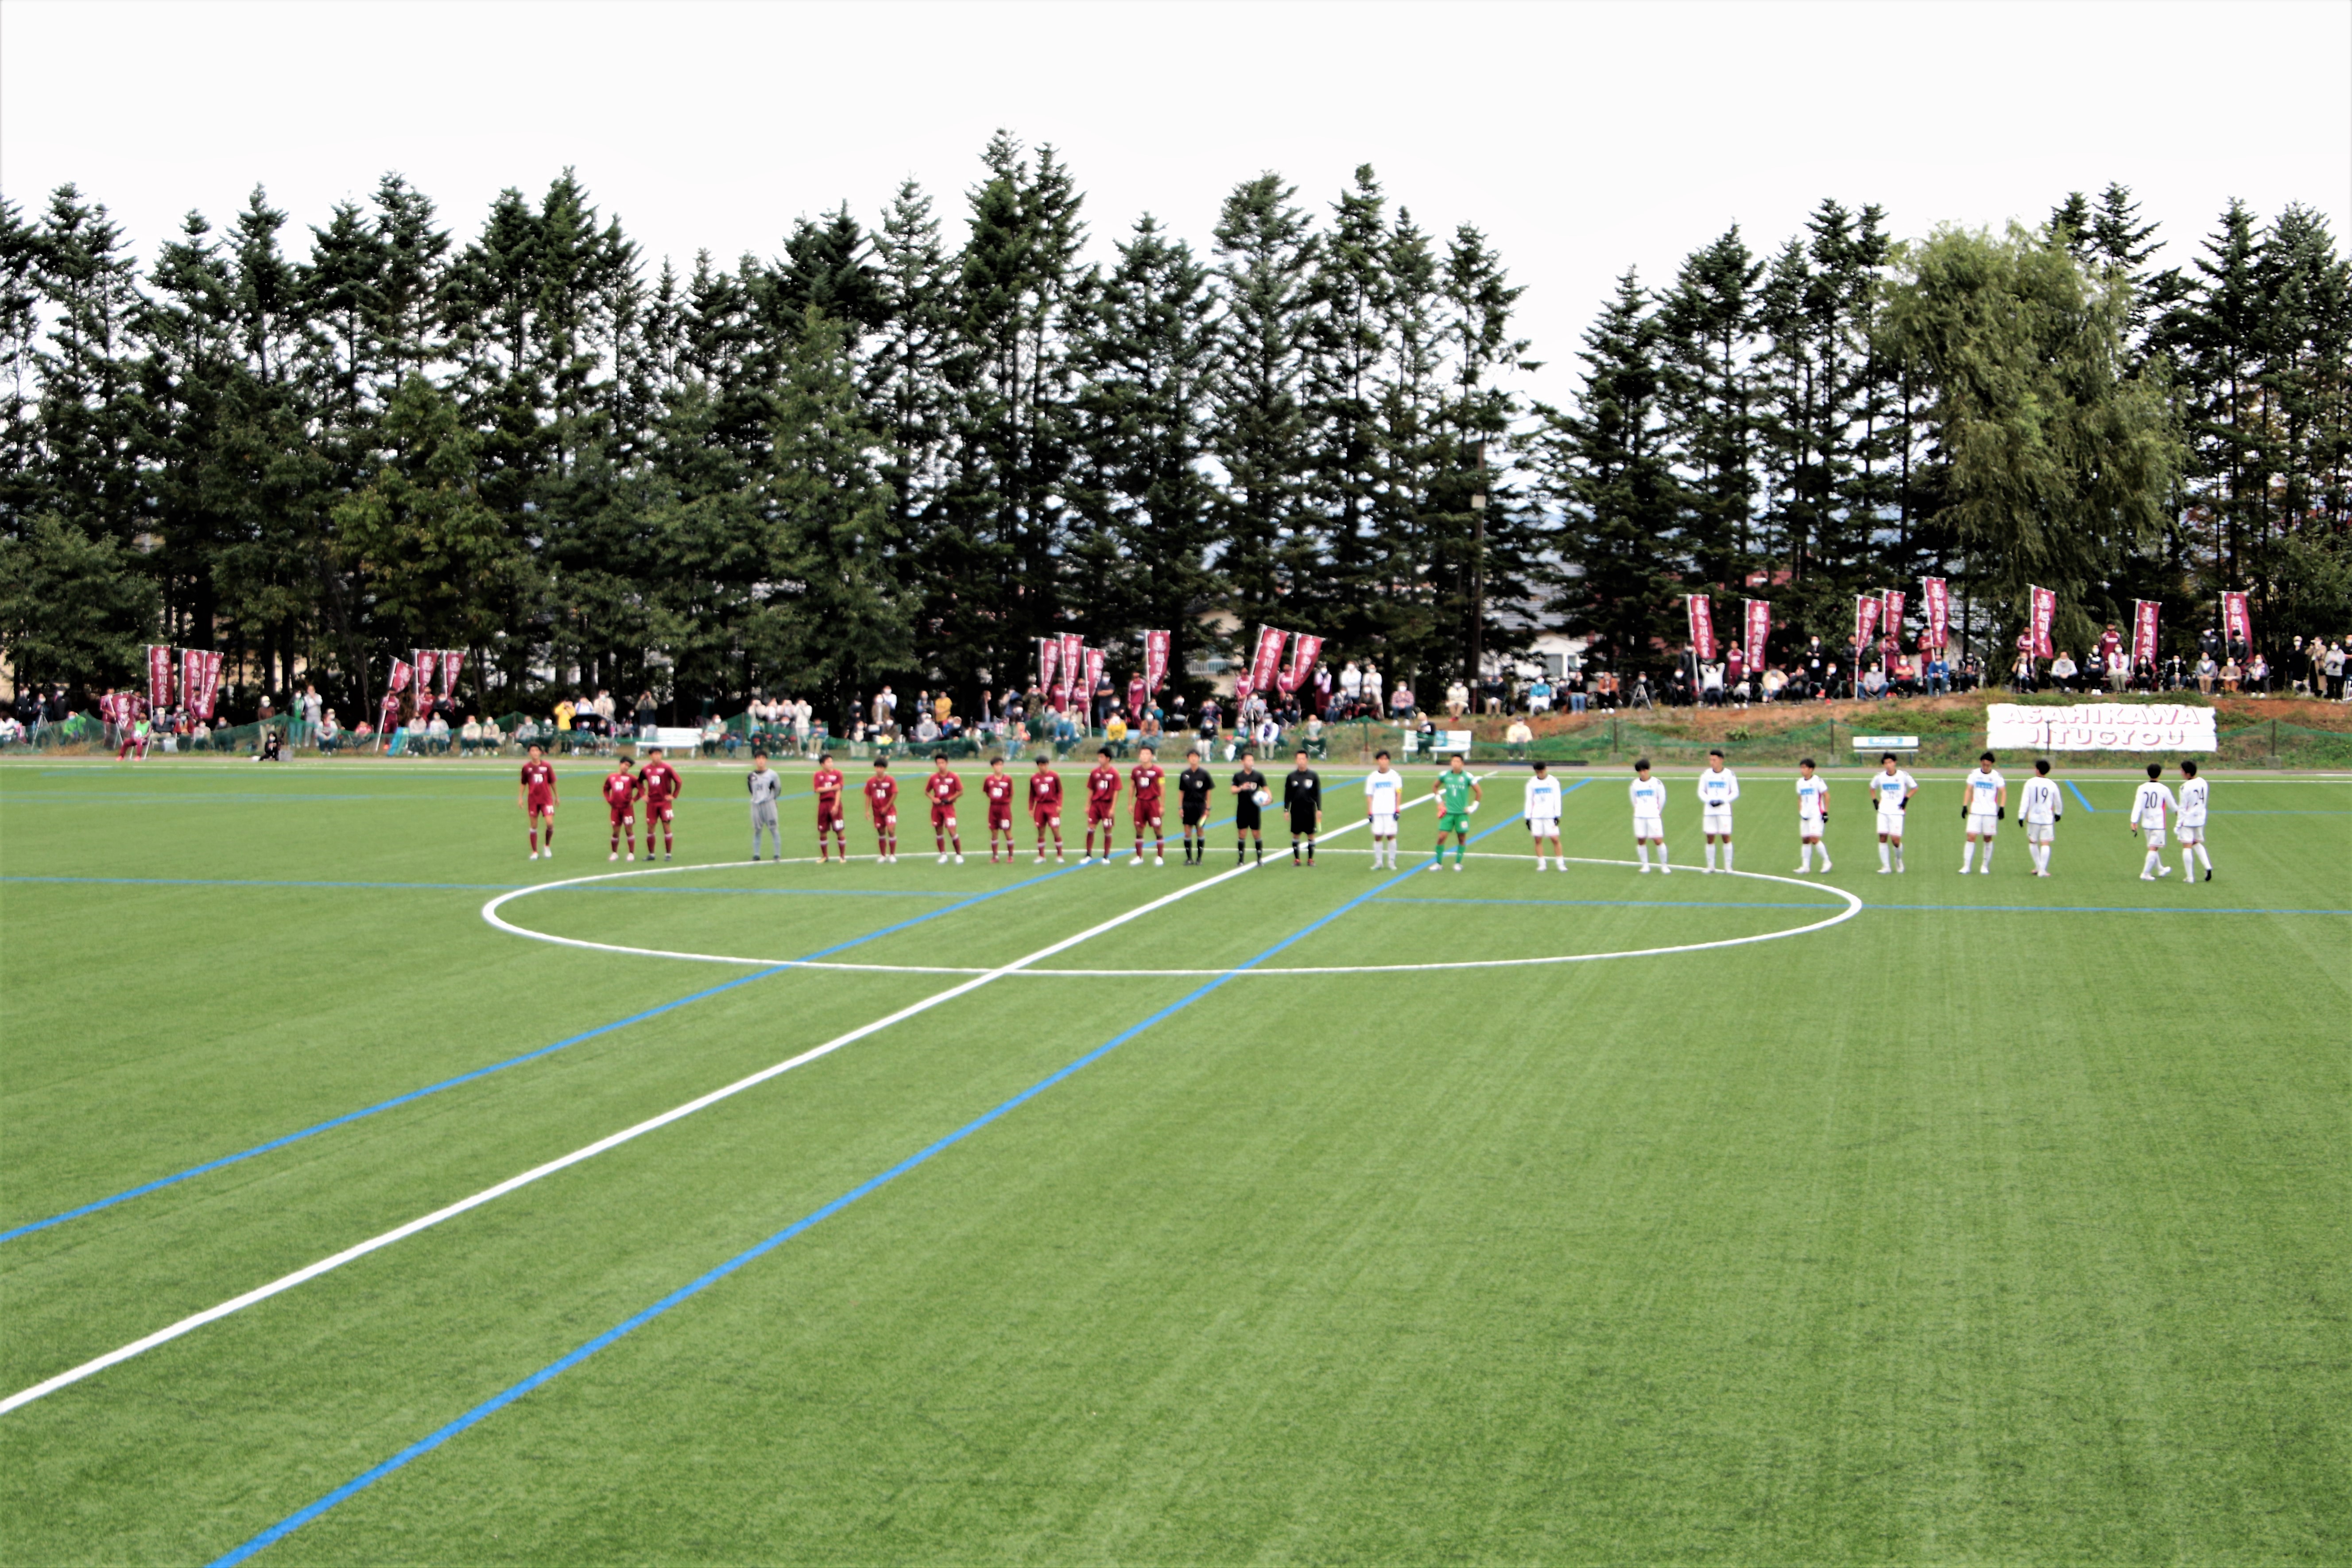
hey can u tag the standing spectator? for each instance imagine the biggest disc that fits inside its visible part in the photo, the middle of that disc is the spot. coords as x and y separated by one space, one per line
1351 688
648 717
2111 647
313 710
1372 689
885 708
2331 667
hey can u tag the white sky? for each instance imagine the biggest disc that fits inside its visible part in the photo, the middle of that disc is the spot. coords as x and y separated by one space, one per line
1582 138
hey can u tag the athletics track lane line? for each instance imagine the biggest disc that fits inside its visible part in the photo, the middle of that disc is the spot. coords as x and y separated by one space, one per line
464 1078
612 1140
693 1287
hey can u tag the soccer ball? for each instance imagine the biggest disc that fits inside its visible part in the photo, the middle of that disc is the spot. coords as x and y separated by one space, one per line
1263 797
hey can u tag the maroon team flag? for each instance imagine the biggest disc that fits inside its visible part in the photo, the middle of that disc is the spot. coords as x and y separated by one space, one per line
425 663
1049 664
1935 593
1760 630
1266 662
1155 660
1074 654
401 672
159 677
199 682
1701 610
2236 620
2044 602
1891 621
1304 651
452 661
1865 618
2143 612
1095 661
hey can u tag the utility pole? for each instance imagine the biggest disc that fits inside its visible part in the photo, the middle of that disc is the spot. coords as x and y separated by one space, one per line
1478 577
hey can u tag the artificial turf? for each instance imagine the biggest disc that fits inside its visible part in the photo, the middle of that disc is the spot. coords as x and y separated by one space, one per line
2003 1221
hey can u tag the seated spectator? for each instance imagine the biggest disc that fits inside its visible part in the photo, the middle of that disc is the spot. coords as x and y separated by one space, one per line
1517 738
1873 683
1314 739
2063 671
436 734
469 739
330 731
1776 681
2207 670
1710 682
2258 677
2230 675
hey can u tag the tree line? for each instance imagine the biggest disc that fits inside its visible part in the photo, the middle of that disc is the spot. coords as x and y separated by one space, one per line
881 454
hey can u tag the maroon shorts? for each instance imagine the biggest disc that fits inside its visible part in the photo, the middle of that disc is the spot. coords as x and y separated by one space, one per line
624 815
1147 809
1101 811
942 815
541 806
828 813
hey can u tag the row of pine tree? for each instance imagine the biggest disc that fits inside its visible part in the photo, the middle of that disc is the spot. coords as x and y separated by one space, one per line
883 456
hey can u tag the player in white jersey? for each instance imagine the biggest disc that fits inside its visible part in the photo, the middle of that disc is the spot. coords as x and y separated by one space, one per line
2150 805
1383 799
2191 825
1718 788
1891 790
2039 806
1649 817
1812 816
1984 801
1542 811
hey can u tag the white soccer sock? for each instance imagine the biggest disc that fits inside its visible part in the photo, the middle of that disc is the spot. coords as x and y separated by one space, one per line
1968 854
1710 854
2189 861
1727 856
1804 856
1641 848
2148 867
2202 859
1661 854
1988 850
1885 857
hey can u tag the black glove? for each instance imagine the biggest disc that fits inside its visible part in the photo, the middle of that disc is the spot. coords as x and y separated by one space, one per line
1905 805
2001 814
1964 814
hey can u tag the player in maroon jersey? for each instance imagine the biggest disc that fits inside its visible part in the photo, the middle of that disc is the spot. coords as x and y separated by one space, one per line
1046 805
622 788
662 784
882 800
945 789
996 785
1148 780
828 783
1102 805
536 798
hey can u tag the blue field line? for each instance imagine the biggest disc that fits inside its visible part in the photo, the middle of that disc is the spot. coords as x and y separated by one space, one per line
2078 794
693 1287
464 1078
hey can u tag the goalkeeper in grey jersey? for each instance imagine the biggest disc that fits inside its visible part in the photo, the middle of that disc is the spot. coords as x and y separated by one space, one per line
765 787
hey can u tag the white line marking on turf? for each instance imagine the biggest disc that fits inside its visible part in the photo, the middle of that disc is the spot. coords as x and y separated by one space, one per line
425 1222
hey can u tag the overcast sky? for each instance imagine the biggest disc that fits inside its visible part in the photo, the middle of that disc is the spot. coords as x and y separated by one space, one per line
1582 138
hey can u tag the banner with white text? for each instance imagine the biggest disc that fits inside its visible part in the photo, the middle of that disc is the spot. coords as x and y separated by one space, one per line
2101 726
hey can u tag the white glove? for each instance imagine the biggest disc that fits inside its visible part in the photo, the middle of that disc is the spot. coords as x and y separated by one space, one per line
1474 808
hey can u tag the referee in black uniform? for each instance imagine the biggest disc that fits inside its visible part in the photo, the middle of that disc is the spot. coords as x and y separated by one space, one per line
1193 786
1247 782
1302 796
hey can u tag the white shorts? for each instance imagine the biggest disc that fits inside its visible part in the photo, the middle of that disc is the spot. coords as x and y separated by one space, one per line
1543 827
1890 823
2040 832
1984 825
1383 827
1649 828
1716 820
2189 832
2155 838
1811 826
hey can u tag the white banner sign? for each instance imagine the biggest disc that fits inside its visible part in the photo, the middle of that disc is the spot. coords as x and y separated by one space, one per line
2101 726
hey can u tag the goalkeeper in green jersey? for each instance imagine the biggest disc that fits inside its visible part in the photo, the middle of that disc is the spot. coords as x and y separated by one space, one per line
1457 797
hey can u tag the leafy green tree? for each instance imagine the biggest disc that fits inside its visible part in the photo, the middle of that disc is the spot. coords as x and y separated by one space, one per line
1267 254
74 610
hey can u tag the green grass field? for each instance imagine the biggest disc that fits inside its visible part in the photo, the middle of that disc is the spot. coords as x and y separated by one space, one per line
2004 1221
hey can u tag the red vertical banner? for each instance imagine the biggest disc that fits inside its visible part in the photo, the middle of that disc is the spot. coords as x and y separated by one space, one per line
159 677
2237 619
426 662
1266 662
1890 623
1701 610
1156 646
1049 664
1095 661
1758 620
2144 613
1074 650
1304 651
401 672
199 680
1865 620
1937 593
2044 616
452 661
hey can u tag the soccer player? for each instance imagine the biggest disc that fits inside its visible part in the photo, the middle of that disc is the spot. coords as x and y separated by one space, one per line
1193 787
1102 805
996 785
2039 807
828 783
882 804
1045 805
1649 797
1985 802
1302 797
2150 802
1384 801
945 789
662 784
622 788
765 787
1541 809
535 795
2193 795
1150 781
1892 789
1458 795
1249 797
1718 787
1812 818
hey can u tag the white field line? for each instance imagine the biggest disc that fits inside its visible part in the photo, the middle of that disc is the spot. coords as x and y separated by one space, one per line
589 1152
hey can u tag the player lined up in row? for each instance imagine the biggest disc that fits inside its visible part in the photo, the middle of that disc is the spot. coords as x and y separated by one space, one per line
1984 806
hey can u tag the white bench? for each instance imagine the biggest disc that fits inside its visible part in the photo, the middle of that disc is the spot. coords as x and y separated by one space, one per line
1886 742
1444 744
